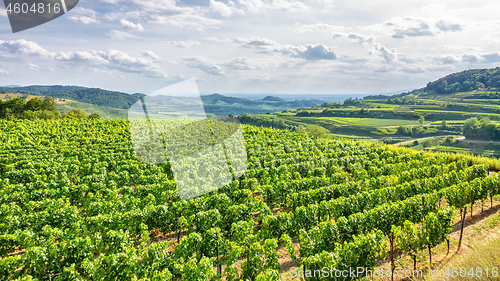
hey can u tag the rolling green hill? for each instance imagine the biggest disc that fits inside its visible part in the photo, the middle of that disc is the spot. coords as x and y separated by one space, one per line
114 104
93 96
464 81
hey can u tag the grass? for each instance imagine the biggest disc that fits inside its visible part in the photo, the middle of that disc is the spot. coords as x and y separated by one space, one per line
482 254
362 122
352 137
463 150
492 221
103 111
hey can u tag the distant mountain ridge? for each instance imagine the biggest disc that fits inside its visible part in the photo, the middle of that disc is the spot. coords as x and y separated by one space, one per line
215 104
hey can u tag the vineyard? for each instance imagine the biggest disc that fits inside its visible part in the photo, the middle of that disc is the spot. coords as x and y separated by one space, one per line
76 204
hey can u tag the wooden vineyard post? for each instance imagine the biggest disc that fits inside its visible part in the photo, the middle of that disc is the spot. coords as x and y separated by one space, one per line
50 275
462 228
448 245
218 260
430 255
392 256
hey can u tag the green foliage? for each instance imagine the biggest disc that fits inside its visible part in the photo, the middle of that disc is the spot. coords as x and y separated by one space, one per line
49 104
409 238
421 120
362 251
33 109
481 129
34 105
94 116
265 121
270 252
290 248
83 215
76 113
199 270
449 140
464 81
269 275
87 95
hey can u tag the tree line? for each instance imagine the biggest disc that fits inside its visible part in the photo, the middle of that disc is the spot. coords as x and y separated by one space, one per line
36 108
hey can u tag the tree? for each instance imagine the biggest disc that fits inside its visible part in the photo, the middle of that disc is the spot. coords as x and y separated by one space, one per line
34 104
444 125
49 104
16 105
470 125
421 120
94 116
76 113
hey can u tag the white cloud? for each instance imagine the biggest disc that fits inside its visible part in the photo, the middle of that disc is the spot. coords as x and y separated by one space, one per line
448 26
260 6
111 59
223 9
205 64
23 47
259 78
160 6
3 12
492 57
467 59
83 19
307 52
471 58
130 25
413 69
244 63
3 71
184 44
315 52
150 54
446 59
81 57
319 27
119 35
373 47
189 20
286 5
409 27
83 16
33 66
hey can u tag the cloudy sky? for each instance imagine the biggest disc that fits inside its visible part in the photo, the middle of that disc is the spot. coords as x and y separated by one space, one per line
254 46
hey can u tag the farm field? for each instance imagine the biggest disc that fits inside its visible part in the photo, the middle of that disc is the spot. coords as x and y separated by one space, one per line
363 122
76 204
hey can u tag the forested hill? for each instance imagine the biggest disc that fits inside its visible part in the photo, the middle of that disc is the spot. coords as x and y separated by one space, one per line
465 81
94 96
217 104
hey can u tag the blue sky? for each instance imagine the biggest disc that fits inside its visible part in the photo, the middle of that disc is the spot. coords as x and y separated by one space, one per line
254 46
